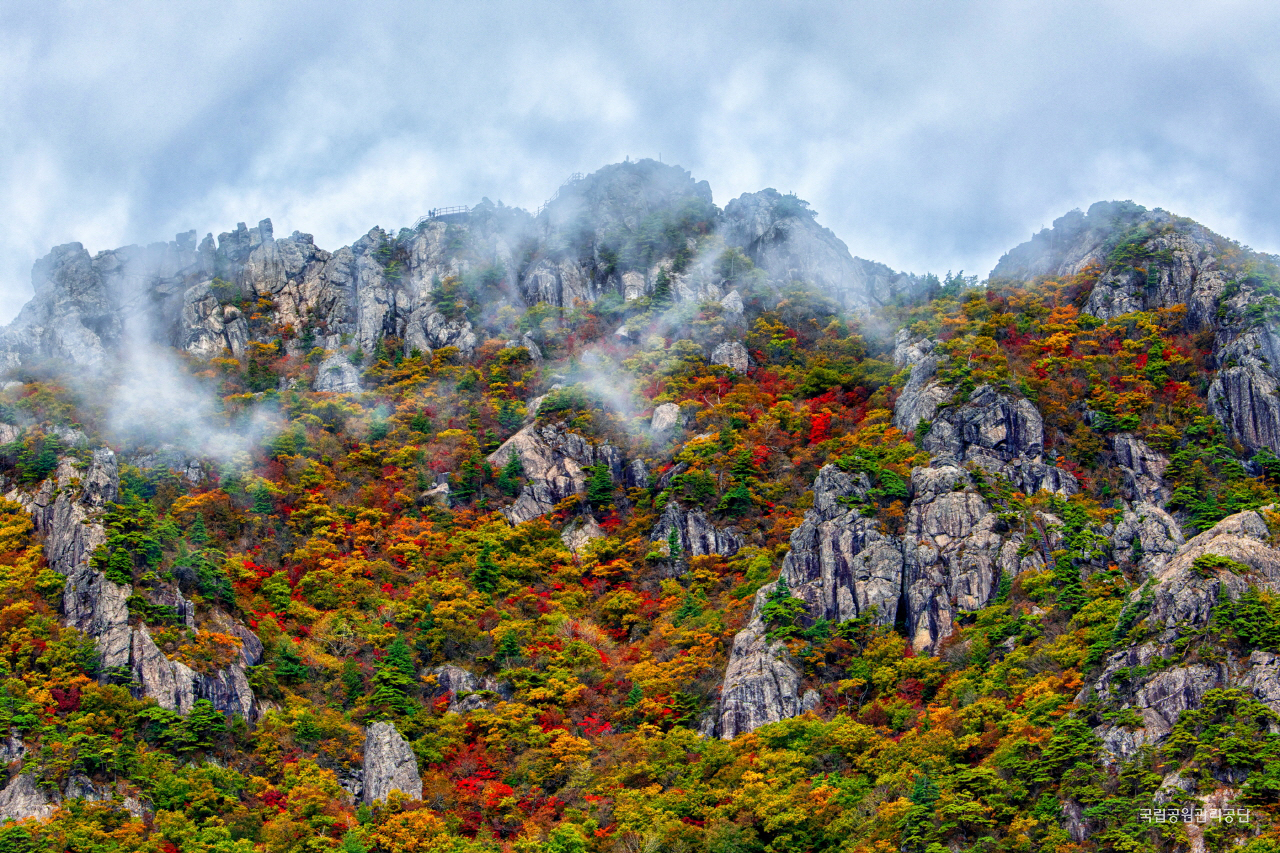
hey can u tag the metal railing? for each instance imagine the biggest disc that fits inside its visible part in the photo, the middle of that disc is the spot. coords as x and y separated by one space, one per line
440 213
573 179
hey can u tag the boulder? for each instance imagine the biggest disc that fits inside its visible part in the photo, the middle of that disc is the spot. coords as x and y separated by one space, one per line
337 375
732 354
389 765
666 419
553 460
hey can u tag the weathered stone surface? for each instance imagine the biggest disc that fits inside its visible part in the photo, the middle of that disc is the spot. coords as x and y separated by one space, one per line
921 396
761 684
580 532
1143 469
1183 597
666 419
465 691
208 328
337 375
698 536
1157 534
22 799
732 354
389 765
553 461
1179 600
64 515
991 422
782 238
1246 399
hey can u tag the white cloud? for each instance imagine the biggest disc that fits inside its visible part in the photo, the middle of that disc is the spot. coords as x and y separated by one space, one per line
929 136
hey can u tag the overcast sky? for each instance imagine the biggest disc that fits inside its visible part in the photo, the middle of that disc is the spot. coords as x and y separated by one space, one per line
929 136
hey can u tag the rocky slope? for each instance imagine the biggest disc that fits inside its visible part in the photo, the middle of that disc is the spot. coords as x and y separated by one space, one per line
65 510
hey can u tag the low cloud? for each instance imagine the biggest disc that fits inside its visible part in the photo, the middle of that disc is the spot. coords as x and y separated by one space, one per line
927 137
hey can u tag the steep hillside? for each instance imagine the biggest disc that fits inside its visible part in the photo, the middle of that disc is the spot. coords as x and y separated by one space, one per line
641 524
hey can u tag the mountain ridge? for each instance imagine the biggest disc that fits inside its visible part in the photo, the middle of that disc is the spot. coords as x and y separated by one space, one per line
637 523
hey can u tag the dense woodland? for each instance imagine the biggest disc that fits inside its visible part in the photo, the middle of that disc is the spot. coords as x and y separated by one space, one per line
323 541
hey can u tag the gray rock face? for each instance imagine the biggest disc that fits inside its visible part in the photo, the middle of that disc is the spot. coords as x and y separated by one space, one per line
921 396
991 423
553 461
1143 469
732 354
1075 241
666 418
948 560
1246 399
22 799
1181 601
781 236
761 684
337 375
64 515
389 765
578 533
698 536
1157 534
1181 265
465 691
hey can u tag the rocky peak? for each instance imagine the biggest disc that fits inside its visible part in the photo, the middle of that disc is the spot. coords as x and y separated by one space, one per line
389 765
781 235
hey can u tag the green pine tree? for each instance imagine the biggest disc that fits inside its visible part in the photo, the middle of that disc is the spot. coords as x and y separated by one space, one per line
486 576
199 533
509 646
392 685
352 680
399 656
662 296
599 487
120 567
289 667
262 503
737 501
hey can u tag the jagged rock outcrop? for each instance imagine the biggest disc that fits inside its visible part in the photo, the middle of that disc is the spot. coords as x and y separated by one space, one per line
586 242
1143 469
949 557
553 461
733 355
389 765
1150 259
779 233
1246 400
1177 600
465 691
337 375
921 395
698 536
666 419
1155 532
64 514
761 682
22 798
